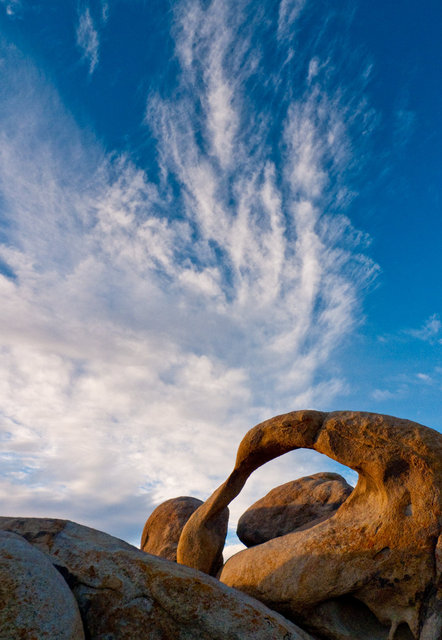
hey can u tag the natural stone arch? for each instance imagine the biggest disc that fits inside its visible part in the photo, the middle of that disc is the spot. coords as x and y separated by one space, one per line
379 547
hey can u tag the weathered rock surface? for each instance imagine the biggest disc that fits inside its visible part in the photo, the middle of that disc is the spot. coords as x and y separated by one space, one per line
35 601
126 594
163 528
299 503
164 525
376 556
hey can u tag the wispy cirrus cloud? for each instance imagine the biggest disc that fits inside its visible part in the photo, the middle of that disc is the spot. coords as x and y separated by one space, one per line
405 385
88 38
284 260
148 323
105 10
431 330
289 12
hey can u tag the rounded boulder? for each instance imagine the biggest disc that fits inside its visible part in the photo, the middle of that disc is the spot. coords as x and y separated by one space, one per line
35 601
164 525
294 505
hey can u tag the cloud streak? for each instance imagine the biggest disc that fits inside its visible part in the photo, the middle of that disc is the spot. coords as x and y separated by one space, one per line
148 323
88 38
431 330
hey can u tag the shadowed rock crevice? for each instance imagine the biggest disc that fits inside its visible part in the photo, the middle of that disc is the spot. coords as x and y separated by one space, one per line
348 617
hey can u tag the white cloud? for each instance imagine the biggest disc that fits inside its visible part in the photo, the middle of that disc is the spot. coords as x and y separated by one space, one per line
105 10
289 12
382 394
12 7
313 69
204 45
430 330
88 38
138 345
406 385
424 377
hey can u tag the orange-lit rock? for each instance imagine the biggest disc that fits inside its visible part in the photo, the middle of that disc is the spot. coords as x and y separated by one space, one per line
164 525
370 571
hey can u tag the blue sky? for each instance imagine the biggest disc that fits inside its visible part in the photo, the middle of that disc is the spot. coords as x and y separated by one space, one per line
210 213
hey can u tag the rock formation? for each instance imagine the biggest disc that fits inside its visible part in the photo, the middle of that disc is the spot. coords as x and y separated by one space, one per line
370 572
35 601
163 527
126 594
299 503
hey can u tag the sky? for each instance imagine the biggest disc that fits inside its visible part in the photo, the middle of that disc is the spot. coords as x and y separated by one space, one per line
211 213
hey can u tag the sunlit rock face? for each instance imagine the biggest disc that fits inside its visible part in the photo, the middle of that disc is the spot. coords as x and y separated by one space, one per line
372 571
297 504
163 528
164 525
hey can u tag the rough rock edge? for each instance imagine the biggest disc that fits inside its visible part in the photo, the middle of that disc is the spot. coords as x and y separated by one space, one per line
148 578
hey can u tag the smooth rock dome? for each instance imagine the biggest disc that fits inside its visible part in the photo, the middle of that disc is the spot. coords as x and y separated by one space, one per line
301 503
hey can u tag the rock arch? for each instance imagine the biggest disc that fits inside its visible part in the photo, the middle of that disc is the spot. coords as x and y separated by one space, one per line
380 546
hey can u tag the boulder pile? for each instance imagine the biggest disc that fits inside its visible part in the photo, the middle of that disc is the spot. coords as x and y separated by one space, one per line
63 581
325 561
